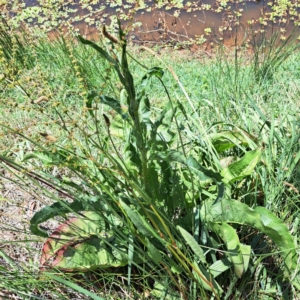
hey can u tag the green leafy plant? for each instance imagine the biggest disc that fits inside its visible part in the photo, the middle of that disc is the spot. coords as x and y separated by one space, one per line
147 192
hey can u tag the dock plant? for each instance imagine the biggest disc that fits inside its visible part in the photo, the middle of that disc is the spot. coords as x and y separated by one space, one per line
150 194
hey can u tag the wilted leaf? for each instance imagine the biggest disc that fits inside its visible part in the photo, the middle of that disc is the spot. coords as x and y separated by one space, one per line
49 138
83 244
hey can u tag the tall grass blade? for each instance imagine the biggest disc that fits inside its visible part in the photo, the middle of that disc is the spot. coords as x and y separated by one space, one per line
73 286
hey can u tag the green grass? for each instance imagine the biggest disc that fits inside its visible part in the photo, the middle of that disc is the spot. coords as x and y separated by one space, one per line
148 190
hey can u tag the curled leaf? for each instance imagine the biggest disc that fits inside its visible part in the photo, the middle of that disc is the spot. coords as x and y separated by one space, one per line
260 218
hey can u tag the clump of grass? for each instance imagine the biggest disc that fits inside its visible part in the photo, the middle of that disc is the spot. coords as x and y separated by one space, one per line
13 48
270 52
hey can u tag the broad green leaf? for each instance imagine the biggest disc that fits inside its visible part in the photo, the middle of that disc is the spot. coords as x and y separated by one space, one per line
200 170
232 242
225 140
161 132
117 125
82 244
203 173
193 244
48 212
132 156
296 283
165 136
162 291
154 182
232 211
243 167
219 267
61 209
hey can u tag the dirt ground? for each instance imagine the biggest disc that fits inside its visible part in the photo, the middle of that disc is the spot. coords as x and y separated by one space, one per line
18 247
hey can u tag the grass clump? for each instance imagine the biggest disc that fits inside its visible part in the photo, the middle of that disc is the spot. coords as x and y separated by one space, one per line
153 190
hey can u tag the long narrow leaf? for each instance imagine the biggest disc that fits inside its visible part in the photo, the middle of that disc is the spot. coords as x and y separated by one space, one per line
139 222
231 239
73 286
193 244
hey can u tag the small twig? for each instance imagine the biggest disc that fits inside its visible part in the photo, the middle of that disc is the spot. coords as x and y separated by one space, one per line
186 33
109 36
37 177
291 186
107 122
